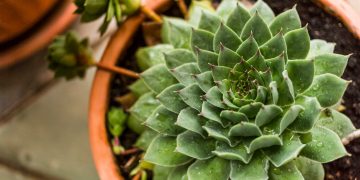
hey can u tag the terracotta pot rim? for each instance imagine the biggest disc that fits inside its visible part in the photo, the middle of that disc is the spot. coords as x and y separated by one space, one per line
103 156
57 22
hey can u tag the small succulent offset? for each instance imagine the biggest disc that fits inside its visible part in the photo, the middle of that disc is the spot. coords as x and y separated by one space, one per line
69 57
243 94
93 9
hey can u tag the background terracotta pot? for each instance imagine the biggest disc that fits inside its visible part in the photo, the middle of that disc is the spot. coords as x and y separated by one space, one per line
27 26
99 100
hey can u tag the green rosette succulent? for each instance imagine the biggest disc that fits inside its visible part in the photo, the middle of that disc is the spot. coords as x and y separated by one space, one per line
69 57
242 94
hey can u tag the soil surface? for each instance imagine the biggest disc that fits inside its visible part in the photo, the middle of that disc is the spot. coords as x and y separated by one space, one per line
321 26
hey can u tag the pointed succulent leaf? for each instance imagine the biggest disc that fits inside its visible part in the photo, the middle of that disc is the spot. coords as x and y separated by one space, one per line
325 146
227 37
256 169
193 145
248 48
157 78
163 121
281 155
191 95
264 142
285 172
195 11
277 66
310 169
214 97
205 80
274 92
215 168
161 172
150 56
251 109
288 118
245 129
233 116
171 99
185 73
267 113
286 21
297 43
306 119
220 72
177 57
327 88
238 152
202 39
209 21
162 152
211 112
258 61
264 10
330 63
179 173
301 73
256 26
261 94
189 119
337 122
205 59
218 132
227 57
274 47
319 47
286 90
176 32
146 137
238 19
138 88
225 8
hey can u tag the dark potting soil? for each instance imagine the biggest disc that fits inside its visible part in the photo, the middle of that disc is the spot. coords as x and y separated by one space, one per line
321 26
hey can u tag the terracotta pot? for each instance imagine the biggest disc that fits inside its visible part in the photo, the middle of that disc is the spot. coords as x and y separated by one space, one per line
28 26
103 156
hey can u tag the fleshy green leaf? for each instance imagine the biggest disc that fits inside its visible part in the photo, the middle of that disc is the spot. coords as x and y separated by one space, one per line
209 21
301 73
267 113
227 57
161 173
256 26
280 155
285 172
193 145
310 169
274 47
258 61
214 168
177 57
238 19
150 56
227 37
330 63
205 59
286 90
277 66
264 10
320 47
163 121
325 146
288 118
274 92
171 99
191 95
256 169
202 39
179 173
143 142
217 131
138 88
248 48
220 72
162 152
205 80
211 112
225 8
233 116
306 119
214 97
176 32
195 11
327 88
337 122
157 78
238 152
286 21
245 129
189 119
251 109
185 73
264 141
298 43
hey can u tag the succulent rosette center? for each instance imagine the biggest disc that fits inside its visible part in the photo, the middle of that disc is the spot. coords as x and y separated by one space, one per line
242 95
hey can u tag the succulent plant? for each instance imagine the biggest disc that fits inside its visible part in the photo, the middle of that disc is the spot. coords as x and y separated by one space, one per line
93 9
69 57
244 95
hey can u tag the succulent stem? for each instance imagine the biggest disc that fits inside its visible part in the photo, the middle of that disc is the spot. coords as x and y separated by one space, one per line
352 136
119 70
183 8
151 14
